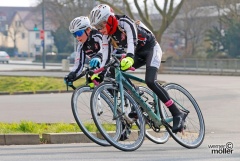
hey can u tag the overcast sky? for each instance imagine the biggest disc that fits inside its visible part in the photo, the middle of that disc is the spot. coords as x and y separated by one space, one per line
22 3
18 3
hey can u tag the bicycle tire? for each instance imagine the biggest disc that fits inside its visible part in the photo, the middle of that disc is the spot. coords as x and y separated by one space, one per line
80 103
156 135
135 137
194 130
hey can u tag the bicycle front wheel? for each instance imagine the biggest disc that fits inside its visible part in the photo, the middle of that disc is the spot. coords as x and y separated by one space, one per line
82 113
194 129
117 128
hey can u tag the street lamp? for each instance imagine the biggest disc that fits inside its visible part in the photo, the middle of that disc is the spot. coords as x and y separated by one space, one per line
42 43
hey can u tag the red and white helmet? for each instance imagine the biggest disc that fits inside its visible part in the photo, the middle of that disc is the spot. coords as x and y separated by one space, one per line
103 13
79 23
100 13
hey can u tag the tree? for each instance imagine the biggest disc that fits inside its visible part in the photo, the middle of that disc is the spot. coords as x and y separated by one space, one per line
167 13
225 37
14 32
227 41
63 41
190 26
60 13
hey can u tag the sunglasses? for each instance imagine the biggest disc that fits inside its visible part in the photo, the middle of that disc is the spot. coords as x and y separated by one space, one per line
78 33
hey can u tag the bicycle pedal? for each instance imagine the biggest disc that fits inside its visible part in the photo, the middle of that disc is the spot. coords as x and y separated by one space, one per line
181 131
99 113
185 127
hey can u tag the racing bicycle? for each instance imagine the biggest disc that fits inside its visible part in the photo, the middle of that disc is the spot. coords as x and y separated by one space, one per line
112 115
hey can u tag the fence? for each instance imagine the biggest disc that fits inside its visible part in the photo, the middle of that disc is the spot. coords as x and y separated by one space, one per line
203 66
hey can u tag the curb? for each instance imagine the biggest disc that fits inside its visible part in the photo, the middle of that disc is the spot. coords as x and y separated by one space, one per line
63 138
49 138
19 139
36 92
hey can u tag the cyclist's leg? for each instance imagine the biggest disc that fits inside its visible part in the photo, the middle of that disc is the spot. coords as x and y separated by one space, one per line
153 60
138 62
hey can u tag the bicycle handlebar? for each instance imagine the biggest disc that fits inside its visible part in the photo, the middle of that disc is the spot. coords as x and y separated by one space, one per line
117 58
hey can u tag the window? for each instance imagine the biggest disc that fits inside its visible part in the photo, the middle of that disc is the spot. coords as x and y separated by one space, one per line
49 35
37 48
23 35
49 47
18 24
37 35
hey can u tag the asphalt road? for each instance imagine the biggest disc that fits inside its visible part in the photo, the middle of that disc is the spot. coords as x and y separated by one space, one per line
218 97
149 151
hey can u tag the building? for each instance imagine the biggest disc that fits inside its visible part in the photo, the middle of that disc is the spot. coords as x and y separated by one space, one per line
6 16
20 29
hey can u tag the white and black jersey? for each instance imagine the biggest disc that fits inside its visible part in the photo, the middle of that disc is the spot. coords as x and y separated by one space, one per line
88 49
129 36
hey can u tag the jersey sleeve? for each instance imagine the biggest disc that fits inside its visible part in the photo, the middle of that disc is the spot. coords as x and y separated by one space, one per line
105 50
98 38
131 32
79 61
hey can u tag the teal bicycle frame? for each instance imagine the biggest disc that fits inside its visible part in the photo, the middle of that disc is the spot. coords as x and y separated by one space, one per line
121 80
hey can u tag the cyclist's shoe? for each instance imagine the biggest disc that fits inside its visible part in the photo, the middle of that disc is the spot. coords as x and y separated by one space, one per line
126 131
178 122
133 114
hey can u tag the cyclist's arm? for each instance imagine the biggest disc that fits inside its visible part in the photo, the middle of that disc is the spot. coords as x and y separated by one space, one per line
131 32
106 50
98 39
79 61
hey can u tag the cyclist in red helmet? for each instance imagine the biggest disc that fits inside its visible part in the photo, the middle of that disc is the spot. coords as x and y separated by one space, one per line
119 31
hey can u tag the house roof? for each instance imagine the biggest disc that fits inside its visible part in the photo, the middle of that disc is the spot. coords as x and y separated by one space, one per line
29 17
7 14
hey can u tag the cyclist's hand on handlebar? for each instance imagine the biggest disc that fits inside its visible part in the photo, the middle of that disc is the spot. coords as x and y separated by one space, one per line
68 79
94 76
126 63
68 83
94 62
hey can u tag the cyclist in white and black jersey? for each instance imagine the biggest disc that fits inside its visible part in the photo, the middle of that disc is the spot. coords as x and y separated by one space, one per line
89 44
141 48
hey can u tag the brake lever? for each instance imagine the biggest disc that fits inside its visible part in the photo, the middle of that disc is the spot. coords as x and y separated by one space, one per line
67 86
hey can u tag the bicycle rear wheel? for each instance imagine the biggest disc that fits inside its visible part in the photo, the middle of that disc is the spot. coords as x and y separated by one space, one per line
122 132
82 113
158 135
194 130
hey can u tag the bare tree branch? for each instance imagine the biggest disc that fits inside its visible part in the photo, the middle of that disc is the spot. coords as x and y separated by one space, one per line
158 8
146 10
145 21
129 9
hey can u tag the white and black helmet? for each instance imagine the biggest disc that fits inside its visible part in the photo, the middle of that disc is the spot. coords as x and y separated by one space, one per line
79 23
100 13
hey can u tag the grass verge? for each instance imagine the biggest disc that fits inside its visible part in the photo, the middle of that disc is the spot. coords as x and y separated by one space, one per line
37 128
13 84
40 128
32 84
